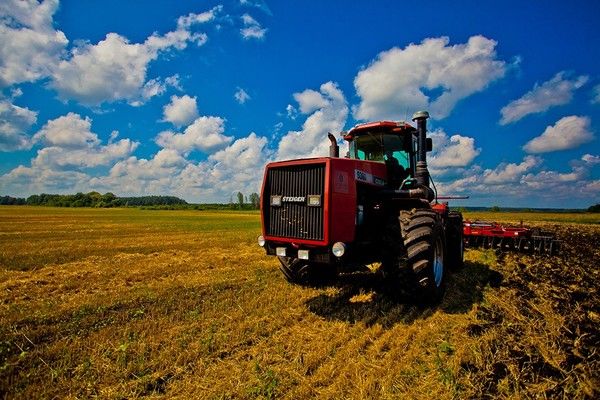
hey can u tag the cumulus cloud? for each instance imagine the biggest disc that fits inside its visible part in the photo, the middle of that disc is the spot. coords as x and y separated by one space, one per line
237 167
205 134
30 47
69 149
185 22
591 159
557 91
241 96
69 141
27 180
87 157
260 4
291 111
181 110
596 95
548 180
252 28
115 69
518 184
15 121
405 79
310 100
568 133
227 171
510 172
330 116
68 131
454 151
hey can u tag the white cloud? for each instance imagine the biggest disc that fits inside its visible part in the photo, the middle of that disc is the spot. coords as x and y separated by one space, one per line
155 87
115 69
591 159
596 94
241 96
181 110
59 167
205 134
312 139
87 157
524 184
70 142
30 47
260 4
511 172
548 180
185 22
252 28
14 123
456 151
23 181
291 111
568 133
68 131
228 171
557 91
310 100
401 79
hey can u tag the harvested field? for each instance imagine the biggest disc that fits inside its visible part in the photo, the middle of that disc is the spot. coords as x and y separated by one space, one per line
132 303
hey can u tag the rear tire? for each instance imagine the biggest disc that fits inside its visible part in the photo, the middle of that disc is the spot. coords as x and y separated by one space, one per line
416 243
304 273
455 241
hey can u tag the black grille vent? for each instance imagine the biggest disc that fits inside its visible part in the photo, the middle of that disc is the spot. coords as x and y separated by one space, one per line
292 219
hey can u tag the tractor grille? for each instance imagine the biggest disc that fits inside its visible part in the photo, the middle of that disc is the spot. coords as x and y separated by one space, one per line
295 219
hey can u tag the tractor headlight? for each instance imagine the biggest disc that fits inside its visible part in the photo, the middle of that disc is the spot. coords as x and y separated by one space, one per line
338 249
314 200
276 201
303 254
261 241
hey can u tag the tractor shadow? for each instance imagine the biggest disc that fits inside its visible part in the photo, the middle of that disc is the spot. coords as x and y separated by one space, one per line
368 298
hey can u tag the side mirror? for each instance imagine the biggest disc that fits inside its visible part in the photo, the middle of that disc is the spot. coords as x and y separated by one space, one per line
429 144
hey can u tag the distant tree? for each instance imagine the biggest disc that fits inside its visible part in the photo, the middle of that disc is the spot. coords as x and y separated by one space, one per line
595 208
495 209
255 200
11 201
240 197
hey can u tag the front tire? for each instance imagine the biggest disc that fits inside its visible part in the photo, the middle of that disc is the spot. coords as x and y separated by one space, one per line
304 273
419 247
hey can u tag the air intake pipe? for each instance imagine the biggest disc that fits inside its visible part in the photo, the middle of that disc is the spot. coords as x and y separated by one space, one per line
422 173
334 149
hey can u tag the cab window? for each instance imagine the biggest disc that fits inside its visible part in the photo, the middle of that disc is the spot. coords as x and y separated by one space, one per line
380 147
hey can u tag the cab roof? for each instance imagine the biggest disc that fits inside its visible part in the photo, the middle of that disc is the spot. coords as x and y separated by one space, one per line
399 127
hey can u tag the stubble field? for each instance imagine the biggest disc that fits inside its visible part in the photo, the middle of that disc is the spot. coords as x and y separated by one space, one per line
128 303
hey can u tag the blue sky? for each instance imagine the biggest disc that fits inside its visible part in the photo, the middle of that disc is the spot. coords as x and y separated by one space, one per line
192 98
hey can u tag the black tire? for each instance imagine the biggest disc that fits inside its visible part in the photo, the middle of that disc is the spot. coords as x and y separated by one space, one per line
455 241
417 243
304 273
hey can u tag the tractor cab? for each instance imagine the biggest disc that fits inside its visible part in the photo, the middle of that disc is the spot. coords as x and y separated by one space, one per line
392 143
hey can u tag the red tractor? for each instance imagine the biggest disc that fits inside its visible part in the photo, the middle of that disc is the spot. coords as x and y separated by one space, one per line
330 215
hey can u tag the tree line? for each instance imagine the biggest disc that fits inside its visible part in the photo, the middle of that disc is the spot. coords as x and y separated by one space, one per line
108 200
91 199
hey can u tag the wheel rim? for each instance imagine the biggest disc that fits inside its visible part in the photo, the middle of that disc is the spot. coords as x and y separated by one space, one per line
438 262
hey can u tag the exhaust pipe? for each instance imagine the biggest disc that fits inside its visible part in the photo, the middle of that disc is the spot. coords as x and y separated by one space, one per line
334 149
422 173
